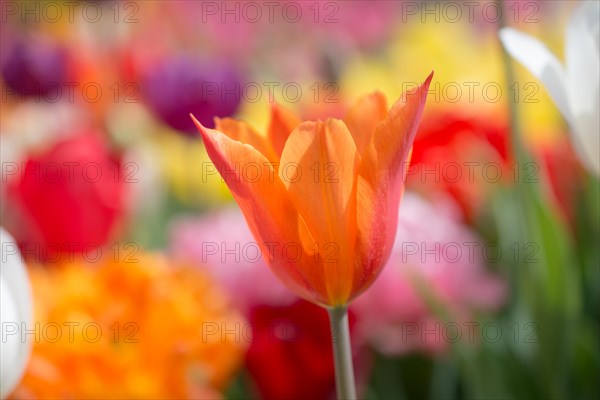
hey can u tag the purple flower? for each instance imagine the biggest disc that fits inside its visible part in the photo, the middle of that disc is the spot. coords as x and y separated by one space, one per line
34 66
177 86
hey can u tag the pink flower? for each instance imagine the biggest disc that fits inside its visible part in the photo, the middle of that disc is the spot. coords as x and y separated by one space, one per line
221 243
363 24
434 256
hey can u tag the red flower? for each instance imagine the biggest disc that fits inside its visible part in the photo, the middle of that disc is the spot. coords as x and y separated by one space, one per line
460 156
466 156
291 356
66 200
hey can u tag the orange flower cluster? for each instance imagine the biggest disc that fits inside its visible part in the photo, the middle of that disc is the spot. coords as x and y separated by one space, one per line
128 330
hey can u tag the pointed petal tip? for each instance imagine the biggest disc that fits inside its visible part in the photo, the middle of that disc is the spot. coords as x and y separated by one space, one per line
421 90
278 110
274 109
204 131
508 33
197 123
427 81
333 124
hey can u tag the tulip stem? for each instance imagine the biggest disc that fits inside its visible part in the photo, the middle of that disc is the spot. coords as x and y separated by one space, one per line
342 353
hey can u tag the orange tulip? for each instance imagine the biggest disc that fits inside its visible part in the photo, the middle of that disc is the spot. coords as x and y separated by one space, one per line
321 198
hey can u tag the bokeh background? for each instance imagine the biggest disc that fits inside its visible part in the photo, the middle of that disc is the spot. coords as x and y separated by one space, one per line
146 280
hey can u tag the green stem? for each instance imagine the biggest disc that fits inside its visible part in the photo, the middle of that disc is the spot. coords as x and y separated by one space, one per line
509 74
342 353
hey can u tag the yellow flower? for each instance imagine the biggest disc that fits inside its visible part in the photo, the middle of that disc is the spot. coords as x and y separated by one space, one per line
189 172
469 74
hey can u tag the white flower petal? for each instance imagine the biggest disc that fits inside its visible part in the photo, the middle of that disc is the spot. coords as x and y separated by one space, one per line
583 58
586 141
10 342
583 81
536 57
16 308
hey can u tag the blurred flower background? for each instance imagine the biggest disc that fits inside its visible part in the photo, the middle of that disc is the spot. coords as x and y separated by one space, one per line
146 281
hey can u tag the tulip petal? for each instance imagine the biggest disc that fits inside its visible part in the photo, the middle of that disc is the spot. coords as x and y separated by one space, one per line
243 132
283 122
381 183
536 57
323 190
281 233
363 117
583 63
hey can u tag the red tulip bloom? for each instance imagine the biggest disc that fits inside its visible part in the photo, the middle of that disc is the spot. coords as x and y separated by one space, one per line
461 156
67 200
290 356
